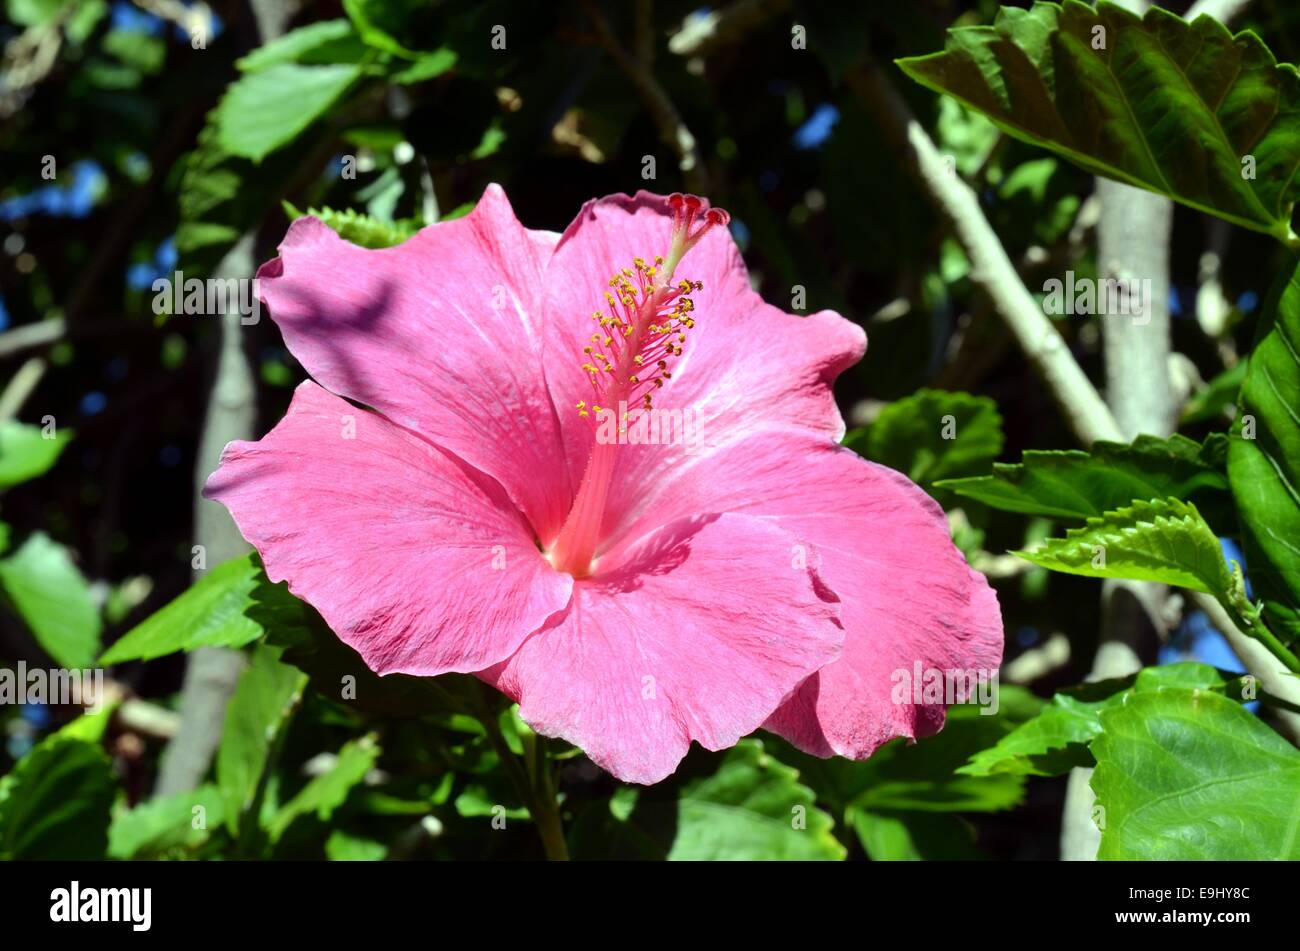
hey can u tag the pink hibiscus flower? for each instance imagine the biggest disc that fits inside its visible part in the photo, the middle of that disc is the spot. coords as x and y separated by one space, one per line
598 471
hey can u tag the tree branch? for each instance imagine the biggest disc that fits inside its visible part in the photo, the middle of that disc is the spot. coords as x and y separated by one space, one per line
212 672
1079 402
703 35
672 130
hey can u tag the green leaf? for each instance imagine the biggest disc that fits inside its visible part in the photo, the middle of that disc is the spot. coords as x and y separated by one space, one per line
265 697
91 726
377 22
1056 741
1265 470
923 777
338 672
329 42
1074 484
51 596
55 802
25 453
1189 774
265 110
165 826
753 807
213 612
222 196
1219 398
427 66
361 229
914 836
1038 200
1153 101
935 434
342 846
1163 540
325 793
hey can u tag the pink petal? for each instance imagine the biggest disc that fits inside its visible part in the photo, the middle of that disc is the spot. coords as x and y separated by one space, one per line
440 335
746 366
695 633
412 557
880 544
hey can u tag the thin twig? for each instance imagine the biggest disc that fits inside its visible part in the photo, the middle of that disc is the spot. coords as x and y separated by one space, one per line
672 130
1267 669
20 387
991 268
704 34
27 336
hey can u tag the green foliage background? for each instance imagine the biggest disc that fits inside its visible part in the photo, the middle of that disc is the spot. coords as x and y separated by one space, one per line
170 149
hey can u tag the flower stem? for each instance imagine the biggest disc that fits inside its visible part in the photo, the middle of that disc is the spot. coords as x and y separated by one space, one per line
533 784
547 812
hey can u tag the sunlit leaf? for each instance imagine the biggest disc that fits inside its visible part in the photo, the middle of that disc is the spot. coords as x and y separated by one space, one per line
1187 110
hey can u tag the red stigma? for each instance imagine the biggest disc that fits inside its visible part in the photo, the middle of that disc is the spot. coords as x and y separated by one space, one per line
686 209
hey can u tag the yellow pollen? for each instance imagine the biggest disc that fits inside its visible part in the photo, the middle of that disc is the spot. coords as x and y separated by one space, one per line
643 329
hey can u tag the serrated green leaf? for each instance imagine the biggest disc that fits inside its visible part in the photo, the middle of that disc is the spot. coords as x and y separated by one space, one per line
1188 774
160 827
1265 470
753 807
265 110
378 22
325 793
342 846
266 695
222 196
934 434
1163 540
1078 485
48 592
1055 741
338 672
914 836
922 777
427 66
91 726
329 42
25 453
1218 398
213 612
359 228
1152 101
54 804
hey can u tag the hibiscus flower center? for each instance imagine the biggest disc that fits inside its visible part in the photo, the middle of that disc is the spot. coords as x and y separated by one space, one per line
628 358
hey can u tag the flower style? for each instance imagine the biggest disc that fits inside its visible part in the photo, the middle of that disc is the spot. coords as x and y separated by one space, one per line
466 485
